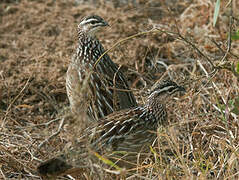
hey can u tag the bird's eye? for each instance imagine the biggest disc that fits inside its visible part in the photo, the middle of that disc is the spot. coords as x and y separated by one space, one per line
93 22
171 89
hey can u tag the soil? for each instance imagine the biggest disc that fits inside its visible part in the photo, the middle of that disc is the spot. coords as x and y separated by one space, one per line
37 41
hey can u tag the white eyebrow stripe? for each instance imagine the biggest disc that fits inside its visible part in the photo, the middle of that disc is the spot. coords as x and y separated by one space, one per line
90 20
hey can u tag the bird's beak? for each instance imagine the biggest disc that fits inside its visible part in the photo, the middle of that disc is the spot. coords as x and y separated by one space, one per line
181 88
106 24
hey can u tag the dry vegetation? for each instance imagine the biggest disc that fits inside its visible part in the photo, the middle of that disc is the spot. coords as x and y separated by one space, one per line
37 40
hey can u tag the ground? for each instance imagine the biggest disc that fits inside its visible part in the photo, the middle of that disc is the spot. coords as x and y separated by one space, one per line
38 39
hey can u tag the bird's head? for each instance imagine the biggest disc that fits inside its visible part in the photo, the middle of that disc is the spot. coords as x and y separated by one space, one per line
91 24
164 89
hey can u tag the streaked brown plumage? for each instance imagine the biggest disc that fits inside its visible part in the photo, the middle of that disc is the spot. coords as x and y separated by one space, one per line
99 87
133 129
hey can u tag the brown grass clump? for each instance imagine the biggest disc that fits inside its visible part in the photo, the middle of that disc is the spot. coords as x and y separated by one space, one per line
38 39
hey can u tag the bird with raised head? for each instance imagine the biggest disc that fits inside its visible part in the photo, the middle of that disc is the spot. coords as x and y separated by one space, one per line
133 129
102 87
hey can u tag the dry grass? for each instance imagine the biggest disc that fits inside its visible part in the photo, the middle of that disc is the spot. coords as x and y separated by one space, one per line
38 39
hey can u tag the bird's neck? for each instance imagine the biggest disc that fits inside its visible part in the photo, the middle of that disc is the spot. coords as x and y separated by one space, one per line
155 108
156 98
86 38
83 33
86 46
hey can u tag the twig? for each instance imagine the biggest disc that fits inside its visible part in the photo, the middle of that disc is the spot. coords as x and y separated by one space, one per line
12 157
124 40
191 44
230 32
3 175
54 134
13 101
47 123
200 52
218 46
114 90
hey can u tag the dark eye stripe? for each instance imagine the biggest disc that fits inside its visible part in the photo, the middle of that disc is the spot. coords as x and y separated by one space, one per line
90 21
94 22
